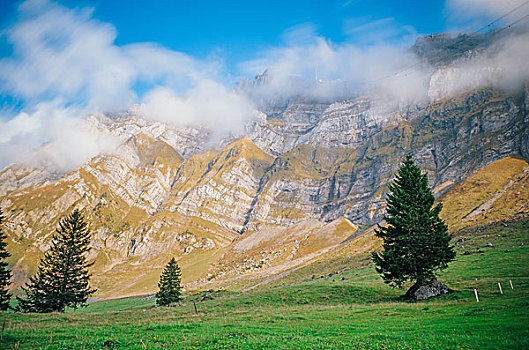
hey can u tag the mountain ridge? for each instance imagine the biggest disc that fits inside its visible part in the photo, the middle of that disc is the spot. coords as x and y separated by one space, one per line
297 184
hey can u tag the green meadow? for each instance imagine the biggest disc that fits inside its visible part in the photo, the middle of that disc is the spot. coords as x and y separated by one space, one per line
351 309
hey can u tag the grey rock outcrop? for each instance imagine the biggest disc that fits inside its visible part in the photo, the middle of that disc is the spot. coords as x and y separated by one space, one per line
424 290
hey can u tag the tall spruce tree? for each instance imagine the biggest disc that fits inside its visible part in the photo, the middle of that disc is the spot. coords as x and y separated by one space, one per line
5 274
169 284
416 240
62 278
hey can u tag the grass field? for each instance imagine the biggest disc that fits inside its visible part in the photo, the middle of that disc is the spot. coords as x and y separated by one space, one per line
351 309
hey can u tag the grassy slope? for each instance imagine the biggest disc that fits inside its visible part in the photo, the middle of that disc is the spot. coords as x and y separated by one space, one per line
304 312
480 187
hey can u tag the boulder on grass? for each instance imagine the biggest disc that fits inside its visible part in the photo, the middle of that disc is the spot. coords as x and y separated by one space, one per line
423 290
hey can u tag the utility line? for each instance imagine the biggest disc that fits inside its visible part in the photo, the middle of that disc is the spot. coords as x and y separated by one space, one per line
410 67
502 17
517 21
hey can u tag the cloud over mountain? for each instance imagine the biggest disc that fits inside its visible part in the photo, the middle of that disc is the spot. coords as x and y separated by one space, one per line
66 65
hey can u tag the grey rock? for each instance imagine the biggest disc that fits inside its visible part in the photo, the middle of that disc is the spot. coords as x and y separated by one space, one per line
426 290
208 295
444 49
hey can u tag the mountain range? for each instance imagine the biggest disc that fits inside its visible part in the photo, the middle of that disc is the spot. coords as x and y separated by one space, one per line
307 177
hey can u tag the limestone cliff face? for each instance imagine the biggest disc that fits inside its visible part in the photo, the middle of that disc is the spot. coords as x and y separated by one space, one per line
220 186
283 127
185 140
112 191
344 124
17 176
447 49
451 139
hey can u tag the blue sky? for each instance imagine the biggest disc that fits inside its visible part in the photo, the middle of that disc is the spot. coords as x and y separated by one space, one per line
239 28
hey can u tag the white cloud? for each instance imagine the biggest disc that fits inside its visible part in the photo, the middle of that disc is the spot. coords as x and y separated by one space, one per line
503 65
51 137
218 109
341 66
66 53
65 65
390 71
365 31
301 34
61 52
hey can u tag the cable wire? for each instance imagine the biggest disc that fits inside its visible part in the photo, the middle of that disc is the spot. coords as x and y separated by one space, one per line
489 25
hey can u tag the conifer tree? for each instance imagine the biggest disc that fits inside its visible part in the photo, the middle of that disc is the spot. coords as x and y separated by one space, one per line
169 284
416 239
5 274
62 278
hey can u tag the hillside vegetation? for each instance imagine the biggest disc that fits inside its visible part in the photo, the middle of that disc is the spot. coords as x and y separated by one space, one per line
334 304
335 299
498 191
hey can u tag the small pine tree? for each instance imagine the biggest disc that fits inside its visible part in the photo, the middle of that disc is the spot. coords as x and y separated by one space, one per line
169 284
62 277
5 274
416 240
